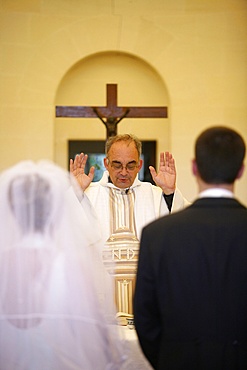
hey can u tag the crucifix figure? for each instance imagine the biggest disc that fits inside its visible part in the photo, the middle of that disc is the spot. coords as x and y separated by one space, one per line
111 114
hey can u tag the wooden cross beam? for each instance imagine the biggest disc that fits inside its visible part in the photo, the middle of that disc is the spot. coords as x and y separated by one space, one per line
111 114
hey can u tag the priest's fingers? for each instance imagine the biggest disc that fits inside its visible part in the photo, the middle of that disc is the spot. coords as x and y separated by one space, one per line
170 162
153 172
71 165
91 173
79 161
162 159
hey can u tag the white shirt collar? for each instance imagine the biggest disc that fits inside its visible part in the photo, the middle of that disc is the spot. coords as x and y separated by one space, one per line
216 193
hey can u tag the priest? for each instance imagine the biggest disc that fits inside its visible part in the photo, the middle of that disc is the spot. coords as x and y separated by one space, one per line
124 205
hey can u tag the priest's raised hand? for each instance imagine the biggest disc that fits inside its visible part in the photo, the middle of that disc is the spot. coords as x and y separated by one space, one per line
77 168
166 176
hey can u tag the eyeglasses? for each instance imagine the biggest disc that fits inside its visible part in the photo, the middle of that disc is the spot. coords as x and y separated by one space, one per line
118 166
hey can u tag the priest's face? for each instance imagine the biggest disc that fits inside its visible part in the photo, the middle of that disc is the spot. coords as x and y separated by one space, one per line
123 164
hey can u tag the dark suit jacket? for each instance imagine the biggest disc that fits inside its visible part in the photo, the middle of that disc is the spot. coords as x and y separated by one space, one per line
190 302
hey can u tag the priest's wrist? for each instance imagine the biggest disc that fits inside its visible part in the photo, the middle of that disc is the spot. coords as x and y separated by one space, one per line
168 191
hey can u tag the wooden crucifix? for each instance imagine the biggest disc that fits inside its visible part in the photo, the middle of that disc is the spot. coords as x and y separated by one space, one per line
111 114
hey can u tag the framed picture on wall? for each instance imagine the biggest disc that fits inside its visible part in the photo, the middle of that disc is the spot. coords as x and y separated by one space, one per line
96 154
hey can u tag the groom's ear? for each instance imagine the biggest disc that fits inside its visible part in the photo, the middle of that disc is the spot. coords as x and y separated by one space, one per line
194 167
240 172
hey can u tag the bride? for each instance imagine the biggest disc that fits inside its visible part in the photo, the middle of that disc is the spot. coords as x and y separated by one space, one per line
51 314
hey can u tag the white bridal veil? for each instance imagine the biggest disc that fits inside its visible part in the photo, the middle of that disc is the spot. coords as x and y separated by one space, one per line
50 315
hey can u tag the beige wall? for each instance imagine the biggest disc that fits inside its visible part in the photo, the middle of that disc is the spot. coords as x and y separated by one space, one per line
193 55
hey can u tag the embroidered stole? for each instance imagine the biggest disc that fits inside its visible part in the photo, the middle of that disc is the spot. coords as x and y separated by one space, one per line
121 250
